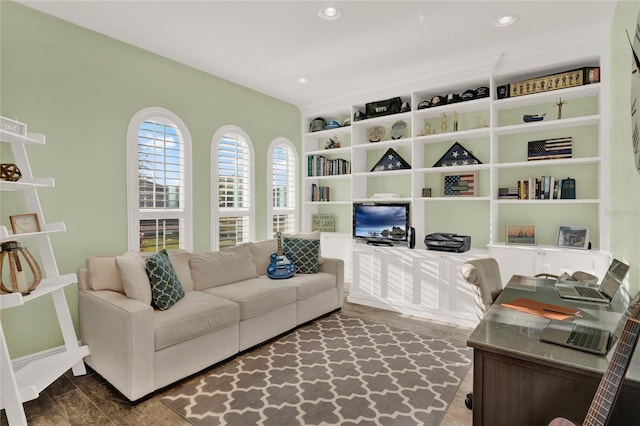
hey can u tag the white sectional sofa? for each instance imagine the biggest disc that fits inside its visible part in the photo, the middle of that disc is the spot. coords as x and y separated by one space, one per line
229 305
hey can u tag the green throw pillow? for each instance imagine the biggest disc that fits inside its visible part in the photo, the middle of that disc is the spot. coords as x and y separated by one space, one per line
166 289
303 252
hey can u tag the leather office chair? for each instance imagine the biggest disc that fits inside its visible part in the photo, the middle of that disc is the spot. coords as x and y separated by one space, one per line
485 280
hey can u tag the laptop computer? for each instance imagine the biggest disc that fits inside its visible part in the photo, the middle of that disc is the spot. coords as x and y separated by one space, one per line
604 293
585 338
577 336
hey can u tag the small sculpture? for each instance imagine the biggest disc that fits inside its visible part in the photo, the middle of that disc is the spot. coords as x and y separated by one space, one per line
527 118
444 124
10 172
332 143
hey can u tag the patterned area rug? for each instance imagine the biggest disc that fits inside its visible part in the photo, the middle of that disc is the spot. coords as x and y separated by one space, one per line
337 370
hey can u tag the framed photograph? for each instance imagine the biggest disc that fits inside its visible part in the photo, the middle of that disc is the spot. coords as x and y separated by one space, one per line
575 237
518 233
459 184
25 223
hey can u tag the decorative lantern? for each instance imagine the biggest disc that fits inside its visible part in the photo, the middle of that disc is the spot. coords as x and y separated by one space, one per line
11 250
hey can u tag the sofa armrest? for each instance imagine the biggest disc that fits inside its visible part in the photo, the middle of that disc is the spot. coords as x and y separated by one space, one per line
120 334
335 267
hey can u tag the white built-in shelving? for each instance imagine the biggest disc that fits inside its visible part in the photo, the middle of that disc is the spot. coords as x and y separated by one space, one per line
494 131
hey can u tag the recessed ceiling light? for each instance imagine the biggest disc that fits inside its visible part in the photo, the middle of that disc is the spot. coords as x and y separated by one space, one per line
329 13
302 80
506 20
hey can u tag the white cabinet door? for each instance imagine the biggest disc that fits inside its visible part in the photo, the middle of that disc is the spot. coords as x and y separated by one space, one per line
382 275
423 283
338 246
535 260
593 263
516 262
367 269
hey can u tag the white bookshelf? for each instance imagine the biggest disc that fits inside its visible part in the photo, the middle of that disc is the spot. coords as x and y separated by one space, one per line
24 383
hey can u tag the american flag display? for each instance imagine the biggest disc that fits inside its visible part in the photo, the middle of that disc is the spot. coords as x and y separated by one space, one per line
391 160
549 149
457 155
460 185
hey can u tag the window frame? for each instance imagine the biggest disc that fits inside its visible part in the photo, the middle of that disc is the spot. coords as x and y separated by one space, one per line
134 213
216 212
271 209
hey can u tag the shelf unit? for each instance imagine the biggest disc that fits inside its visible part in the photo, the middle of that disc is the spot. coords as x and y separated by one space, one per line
494 132
19 385
491 129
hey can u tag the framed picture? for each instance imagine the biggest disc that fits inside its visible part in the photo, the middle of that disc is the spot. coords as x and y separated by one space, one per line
460 184
323 222
25 223
575 237
521 233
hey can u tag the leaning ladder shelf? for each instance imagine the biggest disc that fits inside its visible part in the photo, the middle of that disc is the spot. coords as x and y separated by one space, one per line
24 383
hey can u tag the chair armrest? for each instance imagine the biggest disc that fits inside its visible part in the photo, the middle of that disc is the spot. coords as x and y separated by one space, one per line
120 334
335 267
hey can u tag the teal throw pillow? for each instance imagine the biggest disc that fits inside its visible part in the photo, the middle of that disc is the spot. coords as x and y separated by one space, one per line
303 252
166 288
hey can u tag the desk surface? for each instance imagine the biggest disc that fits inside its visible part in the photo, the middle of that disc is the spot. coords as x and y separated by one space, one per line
513 333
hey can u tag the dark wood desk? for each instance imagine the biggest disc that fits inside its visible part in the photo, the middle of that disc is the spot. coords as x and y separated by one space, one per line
518 380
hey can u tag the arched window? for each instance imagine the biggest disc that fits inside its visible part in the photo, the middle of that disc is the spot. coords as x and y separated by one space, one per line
281 187
158 181
232 163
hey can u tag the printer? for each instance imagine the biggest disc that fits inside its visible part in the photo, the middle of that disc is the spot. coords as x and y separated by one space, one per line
442 241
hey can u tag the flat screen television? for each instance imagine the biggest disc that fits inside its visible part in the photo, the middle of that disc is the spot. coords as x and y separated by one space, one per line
381 223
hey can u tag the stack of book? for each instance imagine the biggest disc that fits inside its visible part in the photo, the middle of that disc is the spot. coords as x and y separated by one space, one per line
543 188
319 193
319 165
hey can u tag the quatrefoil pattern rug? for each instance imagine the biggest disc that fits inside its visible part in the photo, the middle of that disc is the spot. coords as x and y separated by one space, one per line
337 370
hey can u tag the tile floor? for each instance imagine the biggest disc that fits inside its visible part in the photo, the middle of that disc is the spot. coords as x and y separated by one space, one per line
89 399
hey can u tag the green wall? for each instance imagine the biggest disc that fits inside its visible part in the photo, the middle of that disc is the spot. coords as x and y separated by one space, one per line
81 89
625 180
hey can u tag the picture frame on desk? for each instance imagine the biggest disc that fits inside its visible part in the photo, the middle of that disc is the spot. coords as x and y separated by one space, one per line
573 237
521 234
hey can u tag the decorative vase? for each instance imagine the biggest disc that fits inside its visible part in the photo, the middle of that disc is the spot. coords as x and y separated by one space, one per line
11 250
9 172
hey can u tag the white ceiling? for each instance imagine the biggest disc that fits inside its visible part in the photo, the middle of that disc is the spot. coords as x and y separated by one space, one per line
268 45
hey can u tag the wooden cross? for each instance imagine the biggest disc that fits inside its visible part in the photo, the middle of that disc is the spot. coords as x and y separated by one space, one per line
559 105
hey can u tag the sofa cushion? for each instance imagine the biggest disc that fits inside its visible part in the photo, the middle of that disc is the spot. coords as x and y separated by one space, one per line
314 235
103 274
311 284
180 261
303 252
261 252
196 314
224 267
133 275
256 296
166 289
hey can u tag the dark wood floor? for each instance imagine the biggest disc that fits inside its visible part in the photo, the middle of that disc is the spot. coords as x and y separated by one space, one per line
89 399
